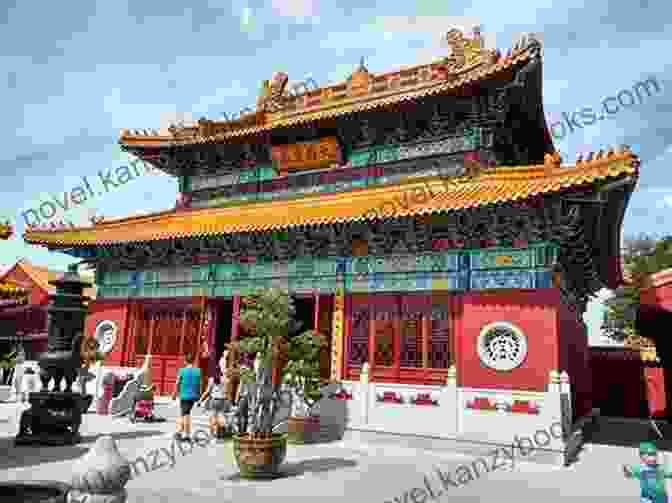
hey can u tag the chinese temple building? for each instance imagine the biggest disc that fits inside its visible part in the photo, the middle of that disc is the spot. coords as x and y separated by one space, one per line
421 218
12 295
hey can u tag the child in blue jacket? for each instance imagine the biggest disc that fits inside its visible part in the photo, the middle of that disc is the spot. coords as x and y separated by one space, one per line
650 474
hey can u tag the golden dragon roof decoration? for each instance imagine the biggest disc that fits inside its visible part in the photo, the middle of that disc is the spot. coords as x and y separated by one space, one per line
469 61
6 230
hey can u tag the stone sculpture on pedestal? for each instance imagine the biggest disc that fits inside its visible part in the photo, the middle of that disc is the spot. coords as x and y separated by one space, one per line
100 476
54 417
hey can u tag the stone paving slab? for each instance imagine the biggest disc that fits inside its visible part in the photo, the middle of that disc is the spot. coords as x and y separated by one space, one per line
340 471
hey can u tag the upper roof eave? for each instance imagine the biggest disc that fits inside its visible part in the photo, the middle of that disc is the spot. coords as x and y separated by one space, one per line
482 70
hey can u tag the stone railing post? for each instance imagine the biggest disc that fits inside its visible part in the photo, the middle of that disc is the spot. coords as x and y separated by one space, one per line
365 388
552 412
451 400
101 475
564 383
565 401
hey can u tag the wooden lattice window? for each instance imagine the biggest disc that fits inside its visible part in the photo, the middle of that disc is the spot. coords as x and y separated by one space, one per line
440 356
409 332
358 342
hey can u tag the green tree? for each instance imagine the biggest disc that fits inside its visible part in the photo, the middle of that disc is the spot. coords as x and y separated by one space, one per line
642 257
280 347
7 364
304 372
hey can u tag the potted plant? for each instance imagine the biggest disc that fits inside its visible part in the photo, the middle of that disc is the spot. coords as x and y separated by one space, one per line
303 377
268 316
7 364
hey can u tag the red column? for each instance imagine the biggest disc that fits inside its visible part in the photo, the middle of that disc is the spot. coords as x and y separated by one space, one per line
235 321
126 335
212 334
316 312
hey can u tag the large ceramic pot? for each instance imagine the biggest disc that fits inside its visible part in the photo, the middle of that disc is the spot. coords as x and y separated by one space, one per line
303 430
260 457
33 491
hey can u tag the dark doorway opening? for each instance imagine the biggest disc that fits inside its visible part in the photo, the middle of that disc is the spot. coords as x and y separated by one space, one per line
224 324
305 312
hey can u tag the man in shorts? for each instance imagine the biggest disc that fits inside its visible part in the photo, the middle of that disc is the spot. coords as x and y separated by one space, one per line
189 388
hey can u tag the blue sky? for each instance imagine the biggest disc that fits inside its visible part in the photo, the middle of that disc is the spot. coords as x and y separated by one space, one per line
74 73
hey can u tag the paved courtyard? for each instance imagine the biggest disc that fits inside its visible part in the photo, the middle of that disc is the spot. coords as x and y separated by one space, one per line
338 471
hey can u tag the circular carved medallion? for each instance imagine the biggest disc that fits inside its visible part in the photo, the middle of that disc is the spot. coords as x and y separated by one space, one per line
106 335
502 346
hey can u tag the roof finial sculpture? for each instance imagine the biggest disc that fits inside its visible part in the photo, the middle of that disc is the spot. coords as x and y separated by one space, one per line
272 97
465 52
362 67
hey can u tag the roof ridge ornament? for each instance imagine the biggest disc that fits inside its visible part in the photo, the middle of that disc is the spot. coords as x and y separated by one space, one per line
552 160
362 66
272 97
465 52
360 80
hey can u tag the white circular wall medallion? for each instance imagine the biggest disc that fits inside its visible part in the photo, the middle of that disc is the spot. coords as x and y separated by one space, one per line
106 335
502 346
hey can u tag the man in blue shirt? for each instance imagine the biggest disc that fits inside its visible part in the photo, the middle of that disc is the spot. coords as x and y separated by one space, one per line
189 387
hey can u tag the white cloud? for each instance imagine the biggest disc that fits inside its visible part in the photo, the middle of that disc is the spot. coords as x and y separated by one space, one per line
168 118
295 8
424 24
222 98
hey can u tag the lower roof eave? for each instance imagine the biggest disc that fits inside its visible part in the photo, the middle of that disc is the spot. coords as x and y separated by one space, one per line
490 188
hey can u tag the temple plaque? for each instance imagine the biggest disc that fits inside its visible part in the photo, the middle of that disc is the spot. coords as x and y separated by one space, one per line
308 155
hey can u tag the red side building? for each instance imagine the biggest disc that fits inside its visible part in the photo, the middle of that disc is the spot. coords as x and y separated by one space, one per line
25 322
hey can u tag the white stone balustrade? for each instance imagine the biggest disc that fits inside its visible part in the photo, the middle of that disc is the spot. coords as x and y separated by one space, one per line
481 415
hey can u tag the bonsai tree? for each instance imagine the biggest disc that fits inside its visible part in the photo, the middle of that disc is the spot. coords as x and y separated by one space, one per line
303 371
7 364
268 318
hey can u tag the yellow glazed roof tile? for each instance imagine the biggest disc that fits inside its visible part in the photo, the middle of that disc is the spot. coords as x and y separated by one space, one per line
6 230
490 187
11 289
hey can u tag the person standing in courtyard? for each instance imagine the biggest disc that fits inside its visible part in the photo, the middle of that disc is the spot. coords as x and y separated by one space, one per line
650 474
218 405
188 386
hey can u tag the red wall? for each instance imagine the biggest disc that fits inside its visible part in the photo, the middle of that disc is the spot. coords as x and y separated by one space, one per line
575 359
534 312
658 296
116 311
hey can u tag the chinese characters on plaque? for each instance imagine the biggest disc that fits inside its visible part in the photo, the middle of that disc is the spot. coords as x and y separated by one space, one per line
299 156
